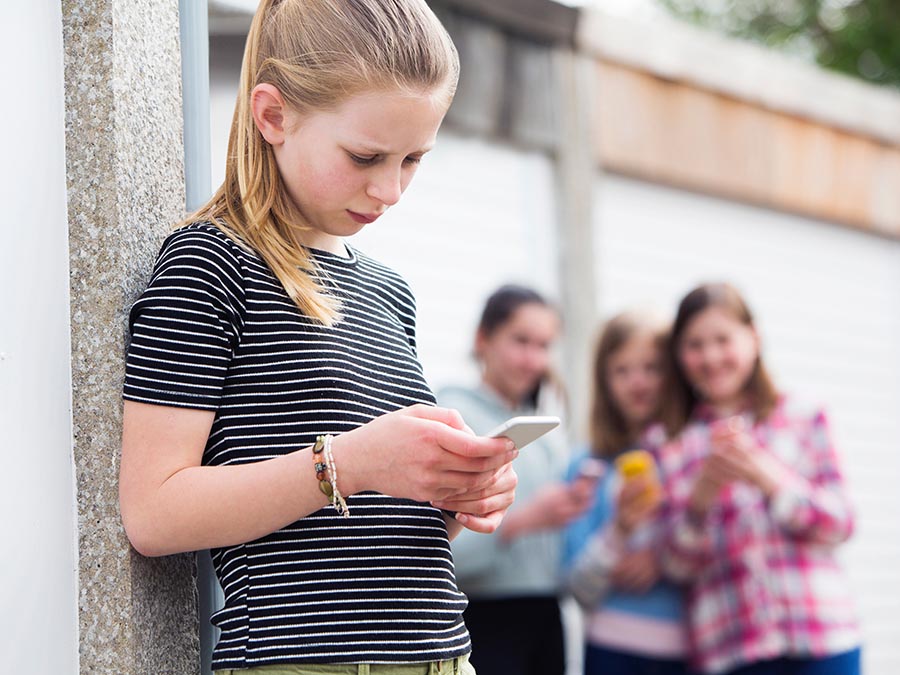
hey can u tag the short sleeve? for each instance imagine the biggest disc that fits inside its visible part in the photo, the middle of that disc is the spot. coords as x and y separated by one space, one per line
187 323
407 313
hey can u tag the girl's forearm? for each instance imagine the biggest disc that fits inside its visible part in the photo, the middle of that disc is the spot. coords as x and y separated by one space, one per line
203 507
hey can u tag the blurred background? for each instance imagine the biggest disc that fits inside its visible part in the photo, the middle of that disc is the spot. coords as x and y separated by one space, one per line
609 153
617 153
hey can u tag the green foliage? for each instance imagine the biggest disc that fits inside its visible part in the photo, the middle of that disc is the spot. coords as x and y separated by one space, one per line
857 37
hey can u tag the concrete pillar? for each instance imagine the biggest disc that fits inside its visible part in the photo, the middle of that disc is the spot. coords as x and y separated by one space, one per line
125 186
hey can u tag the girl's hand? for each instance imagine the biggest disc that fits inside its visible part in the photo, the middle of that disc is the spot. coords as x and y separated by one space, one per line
636 572
422 453
483 510
637 502
706 488
738 457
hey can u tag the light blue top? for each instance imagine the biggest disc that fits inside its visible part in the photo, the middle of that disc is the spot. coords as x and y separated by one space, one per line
663 601
529 565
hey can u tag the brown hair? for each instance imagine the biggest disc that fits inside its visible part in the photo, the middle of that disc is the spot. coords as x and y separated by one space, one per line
503 303
609 430
499 308
679 398
318 54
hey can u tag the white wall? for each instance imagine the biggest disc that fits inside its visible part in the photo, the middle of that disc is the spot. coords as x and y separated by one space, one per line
38 597
827 300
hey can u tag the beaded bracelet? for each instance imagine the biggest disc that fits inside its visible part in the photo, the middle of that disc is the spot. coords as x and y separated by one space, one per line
326 473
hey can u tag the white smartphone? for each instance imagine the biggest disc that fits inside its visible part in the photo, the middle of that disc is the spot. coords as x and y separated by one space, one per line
524 429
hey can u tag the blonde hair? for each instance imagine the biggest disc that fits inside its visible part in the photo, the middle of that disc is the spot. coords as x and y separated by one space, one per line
317 53
610 432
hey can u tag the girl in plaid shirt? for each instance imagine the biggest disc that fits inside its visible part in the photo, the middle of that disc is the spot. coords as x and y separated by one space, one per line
757 505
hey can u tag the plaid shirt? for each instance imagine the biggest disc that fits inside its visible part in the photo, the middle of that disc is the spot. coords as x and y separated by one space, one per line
765 581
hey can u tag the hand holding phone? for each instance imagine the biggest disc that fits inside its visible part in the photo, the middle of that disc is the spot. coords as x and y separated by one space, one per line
590 469
636 463
524 429
639 465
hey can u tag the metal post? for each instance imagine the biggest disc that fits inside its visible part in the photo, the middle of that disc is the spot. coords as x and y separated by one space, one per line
195 97
194 23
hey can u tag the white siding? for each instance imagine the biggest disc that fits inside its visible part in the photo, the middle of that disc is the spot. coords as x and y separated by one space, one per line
827 301
38 596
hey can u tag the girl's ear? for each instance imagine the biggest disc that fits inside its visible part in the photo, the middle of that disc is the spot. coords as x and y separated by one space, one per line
269 112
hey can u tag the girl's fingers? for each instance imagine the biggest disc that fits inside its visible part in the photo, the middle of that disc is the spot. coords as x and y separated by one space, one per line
477 464
445 428
718 474
736 458
629 579
498 494
433 456
463 484
486 524
447 416
634 576
487 483
455 501
723 471
472 447
634 487
478 507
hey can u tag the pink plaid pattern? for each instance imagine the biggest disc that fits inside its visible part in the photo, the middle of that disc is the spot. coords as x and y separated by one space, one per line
764 578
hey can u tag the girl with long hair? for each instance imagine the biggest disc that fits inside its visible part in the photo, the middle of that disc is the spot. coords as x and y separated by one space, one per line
633 618
275 410
511 576
758 505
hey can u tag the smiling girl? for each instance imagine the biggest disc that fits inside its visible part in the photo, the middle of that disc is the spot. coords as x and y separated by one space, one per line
634 619
275 410
758 504
512 576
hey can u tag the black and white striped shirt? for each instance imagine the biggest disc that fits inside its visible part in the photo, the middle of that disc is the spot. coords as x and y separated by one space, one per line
215 330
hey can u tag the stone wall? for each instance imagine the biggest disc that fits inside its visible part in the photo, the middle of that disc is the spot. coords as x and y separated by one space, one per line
125 173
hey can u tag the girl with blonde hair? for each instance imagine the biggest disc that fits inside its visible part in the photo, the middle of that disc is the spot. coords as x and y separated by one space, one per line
275 410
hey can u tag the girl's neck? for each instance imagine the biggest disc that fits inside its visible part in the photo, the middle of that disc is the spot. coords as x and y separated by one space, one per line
729 407
321 241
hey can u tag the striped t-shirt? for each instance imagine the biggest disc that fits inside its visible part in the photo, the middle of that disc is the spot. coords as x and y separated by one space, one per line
215 330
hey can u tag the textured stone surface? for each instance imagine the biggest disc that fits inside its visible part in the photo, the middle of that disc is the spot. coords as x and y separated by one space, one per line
124 160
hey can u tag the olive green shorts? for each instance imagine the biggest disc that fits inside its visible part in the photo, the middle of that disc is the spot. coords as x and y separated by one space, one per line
458 666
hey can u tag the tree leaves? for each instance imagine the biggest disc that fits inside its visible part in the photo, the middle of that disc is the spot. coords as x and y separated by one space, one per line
857 37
